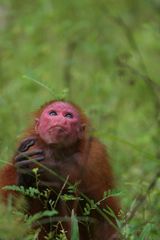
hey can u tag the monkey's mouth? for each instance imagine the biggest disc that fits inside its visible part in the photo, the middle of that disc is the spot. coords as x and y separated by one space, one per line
57 135
57 127
57 131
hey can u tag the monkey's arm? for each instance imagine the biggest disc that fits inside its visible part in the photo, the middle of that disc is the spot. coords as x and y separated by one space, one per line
27 154
98 174
98 179
8 177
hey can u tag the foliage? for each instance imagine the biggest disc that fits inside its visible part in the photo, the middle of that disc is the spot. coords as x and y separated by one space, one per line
51 216
103 55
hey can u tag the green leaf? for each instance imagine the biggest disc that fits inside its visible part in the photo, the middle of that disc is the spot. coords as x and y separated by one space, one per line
74 227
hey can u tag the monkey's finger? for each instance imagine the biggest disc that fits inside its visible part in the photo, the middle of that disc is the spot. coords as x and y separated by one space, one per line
27 171
28 161
26 144
56 184
26 156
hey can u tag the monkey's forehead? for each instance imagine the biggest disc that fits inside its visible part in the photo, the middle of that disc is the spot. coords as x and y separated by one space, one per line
62 106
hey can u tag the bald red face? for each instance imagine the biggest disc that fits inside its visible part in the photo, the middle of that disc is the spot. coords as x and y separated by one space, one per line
59 124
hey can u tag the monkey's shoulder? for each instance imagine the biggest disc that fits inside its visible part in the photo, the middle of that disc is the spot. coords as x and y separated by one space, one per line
97 156
97 147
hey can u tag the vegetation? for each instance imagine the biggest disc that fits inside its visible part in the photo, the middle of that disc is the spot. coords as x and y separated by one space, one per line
103 55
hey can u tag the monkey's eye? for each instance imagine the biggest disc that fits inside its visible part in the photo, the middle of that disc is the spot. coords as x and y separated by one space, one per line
69 115
52 113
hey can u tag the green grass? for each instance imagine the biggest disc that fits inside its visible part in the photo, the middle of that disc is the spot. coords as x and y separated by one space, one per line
104 57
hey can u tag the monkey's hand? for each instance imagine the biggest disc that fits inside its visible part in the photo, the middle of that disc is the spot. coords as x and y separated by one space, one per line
25 161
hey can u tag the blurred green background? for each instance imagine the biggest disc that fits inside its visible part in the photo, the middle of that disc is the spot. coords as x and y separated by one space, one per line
104 56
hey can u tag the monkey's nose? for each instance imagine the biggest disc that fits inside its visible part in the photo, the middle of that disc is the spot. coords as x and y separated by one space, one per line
62 122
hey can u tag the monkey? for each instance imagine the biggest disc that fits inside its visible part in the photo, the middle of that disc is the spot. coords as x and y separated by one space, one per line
60 145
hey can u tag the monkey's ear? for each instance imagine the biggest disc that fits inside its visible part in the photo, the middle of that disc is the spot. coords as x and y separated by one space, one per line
36 124
82 131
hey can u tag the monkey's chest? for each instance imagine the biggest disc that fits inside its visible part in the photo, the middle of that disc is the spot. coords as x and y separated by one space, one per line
60 169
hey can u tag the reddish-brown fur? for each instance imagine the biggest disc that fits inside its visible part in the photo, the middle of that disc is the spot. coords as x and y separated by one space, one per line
92 171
